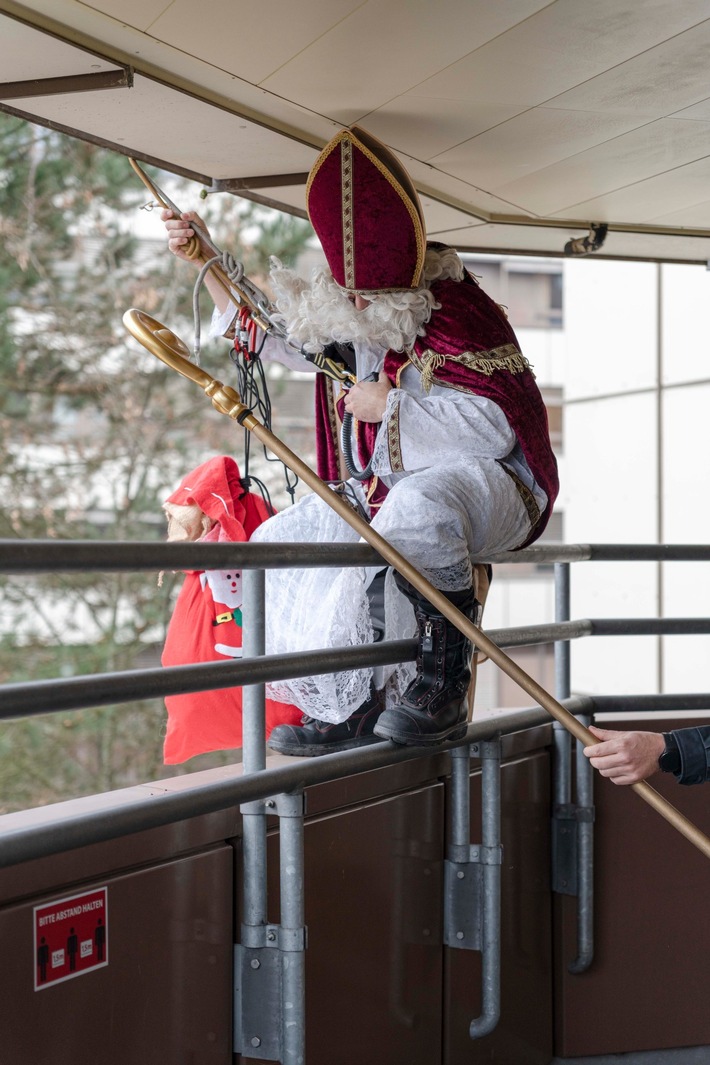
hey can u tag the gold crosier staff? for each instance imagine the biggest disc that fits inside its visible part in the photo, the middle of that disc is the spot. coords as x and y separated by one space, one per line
171 350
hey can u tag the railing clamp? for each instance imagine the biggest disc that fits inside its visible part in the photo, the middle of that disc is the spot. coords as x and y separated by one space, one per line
571 812
287 804
492 748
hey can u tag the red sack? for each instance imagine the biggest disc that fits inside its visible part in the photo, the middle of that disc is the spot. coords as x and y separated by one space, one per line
211 504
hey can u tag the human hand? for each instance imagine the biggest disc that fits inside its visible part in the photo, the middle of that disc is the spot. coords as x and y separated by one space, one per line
625 757
180 232
367 400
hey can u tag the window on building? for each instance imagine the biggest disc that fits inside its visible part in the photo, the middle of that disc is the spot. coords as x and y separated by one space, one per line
531 292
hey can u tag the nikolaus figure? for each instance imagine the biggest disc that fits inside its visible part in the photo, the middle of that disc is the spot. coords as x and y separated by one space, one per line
456 433
212 505
447 414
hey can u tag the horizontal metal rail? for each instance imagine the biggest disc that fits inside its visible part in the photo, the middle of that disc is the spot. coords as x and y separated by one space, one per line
553 632
101 689
123 813
548 553
45 556
87 556
649 626
605 704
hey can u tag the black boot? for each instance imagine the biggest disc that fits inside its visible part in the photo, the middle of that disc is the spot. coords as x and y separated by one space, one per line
313 737
433 708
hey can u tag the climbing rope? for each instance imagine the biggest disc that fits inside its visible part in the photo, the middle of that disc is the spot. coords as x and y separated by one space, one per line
251 379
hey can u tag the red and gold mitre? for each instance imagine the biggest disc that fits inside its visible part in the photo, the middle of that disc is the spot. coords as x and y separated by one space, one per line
366 213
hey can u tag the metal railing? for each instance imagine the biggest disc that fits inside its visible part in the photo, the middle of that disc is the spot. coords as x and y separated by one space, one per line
271 956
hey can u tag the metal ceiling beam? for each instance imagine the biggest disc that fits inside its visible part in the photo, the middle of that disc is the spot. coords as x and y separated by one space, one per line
265 181
102 79
73 35
614 227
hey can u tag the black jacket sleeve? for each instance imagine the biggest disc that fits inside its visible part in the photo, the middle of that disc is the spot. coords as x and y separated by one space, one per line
694 747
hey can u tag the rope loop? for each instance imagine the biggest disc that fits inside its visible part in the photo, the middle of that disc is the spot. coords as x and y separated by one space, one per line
192 250
233 269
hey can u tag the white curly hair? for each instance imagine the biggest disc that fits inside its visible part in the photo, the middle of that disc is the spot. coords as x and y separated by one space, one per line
318 312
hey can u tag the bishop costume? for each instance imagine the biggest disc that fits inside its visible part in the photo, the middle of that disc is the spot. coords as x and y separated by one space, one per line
462 466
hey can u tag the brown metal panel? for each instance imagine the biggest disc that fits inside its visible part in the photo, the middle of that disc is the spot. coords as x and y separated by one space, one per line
374 852
104 859
647 987
165 995
524 1033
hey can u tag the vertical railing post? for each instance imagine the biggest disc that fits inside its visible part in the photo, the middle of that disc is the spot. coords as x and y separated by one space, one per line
473 876
572 823
564 834
562 772
254 754
257 1024
269 986
585 861
491 857
292 931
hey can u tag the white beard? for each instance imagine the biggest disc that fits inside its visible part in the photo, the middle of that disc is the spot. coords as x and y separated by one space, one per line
319 313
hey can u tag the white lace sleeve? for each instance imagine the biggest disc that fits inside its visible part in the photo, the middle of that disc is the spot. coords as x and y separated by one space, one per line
222 321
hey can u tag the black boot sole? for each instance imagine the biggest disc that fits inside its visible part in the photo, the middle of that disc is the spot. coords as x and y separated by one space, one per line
408 739
313 750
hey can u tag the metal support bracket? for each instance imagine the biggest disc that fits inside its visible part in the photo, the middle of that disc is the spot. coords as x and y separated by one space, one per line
566 817
462 906
472 875
463 887
258 1001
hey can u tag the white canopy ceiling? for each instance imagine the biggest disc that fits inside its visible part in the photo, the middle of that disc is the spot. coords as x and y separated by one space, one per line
521 121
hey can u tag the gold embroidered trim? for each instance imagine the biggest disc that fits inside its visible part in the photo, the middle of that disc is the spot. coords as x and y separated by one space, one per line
525 494
400 371
506 357
394 442
346 167
371 491
333 419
